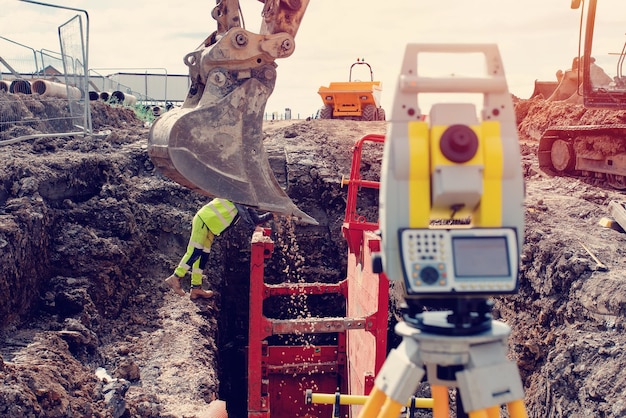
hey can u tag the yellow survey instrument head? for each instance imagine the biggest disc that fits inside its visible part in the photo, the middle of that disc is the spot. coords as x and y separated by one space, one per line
451 199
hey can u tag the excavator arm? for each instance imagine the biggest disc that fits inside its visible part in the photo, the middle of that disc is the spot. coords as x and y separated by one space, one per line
213 143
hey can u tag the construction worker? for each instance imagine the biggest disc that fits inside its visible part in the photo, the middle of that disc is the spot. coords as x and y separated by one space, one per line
211 220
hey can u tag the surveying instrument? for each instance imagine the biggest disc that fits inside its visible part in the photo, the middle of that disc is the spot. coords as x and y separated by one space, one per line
451 221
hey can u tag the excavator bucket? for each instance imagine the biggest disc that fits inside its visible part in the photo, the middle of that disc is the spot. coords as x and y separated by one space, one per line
213 144
218 150
544 88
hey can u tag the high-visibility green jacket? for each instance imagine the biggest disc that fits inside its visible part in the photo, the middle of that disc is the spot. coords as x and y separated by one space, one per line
218 215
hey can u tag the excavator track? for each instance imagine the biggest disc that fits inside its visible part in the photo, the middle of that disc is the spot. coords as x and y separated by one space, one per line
597 151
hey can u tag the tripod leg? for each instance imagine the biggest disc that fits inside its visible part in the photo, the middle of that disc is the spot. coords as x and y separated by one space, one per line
493 412
397 380
374 403
391 409
517 409
441 407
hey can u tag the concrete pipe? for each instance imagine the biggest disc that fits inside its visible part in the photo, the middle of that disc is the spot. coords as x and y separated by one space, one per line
123 98
94 95
4 85
47 88
157 110
104 96
20 86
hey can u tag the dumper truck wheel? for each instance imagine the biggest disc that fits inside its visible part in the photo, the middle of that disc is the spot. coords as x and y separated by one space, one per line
369 113
380 114
326 112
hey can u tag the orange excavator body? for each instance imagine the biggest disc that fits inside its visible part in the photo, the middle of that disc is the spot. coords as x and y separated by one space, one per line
596 80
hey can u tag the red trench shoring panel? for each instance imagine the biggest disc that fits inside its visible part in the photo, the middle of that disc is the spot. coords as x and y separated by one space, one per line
279 376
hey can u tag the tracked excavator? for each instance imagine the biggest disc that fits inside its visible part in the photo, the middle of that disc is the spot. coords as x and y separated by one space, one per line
597 151
213 144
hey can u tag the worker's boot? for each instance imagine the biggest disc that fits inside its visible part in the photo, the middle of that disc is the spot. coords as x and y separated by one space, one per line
174 282
199 292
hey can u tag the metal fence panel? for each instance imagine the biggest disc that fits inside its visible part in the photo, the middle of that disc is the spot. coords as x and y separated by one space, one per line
74 55
49 101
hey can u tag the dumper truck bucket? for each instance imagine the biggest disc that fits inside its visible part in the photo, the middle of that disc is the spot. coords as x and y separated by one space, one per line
216 148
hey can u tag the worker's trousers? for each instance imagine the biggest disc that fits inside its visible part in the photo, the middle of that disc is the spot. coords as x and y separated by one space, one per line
197 253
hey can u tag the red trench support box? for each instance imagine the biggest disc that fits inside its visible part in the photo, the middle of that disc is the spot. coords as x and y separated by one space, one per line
279 376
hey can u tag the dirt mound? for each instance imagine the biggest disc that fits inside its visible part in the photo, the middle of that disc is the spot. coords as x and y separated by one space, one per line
51 115
568 319
89 228
534 116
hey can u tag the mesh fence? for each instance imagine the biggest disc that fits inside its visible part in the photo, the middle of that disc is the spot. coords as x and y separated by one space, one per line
41 92
50 60
17 58
103 87
74 58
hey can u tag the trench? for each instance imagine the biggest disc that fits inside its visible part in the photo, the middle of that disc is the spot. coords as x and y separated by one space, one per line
302 254
234 315
286 264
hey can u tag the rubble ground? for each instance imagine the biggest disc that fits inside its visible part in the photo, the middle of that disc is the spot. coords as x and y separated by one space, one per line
89 229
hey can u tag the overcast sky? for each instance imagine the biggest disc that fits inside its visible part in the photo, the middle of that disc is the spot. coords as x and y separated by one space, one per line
535 37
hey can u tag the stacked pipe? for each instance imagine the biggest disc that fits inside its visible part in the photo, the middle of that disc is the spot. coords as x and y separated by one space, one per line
20 86
44 88
118 97
123 98
47 88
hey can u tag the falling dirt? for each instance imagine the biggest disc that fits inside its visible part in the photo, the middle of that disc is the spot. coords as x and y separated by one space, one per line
89 229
